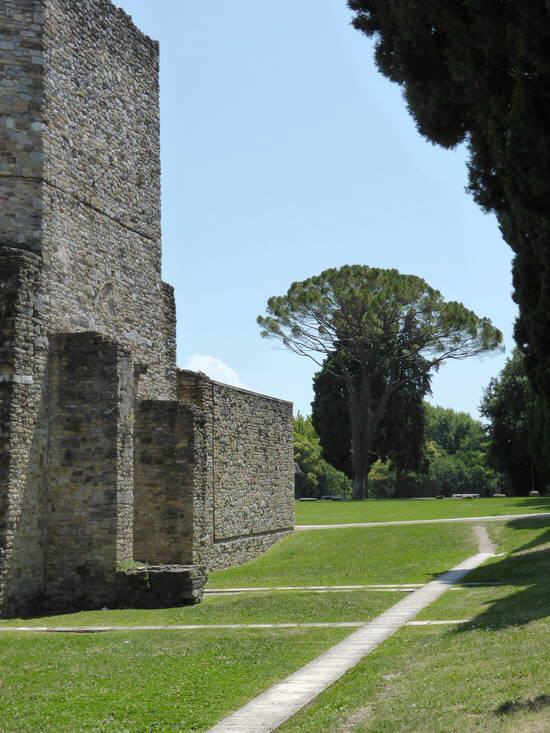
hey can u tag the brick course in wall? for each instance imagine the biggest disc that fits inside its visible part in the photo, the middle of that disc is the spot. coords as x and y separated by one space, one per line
102 462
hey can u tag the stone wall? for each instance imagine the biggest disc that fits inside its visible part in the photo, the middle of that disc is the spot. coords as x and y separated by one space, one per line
249 501
89 502
23 361
21 123
80 84
165 458
80 187
102 213
101 224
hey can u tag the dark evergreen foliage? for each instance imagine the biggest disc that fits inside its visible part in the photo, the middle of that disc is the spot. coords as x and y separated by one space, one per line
400 436
518 445
478 71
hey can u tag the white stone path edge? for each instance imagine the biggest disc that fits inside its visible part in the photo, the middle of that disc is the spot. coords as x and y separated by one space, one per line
271 709
210 627
444 520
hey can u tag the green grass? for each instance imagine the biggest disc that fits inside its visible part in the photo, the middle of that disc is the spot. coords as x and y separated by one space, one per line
253 608
409 554
490 674
433 680
394 510
188 680
143 682
525 570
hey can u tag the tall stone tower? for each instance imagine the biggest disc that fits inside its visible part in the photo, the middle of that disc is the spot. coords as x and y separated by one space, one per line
88 379
80 253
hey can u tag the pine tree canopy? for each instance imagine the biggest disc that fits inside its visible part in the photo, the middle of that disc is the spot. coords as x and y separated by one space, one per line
367 313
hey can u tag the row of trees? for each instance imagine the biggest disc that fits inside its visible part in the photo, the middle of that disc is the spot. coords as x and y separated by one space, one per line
440 451
452 458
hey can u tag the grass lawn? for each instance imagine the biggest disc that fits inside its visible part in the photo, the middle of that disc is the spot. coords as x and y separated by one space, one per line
488 675
434 680
255 608
143 682
409 554
525 570
163 681
394 510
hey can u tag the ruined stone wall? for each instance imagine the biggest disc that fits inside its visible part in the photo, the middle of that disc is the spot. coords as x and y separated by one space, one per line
248 504
80 187
80 173
23 363
166 457
87 334
88 503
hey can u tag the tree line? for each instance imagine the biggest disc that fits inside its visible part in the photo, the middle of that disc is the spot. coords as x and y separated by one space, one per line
450 452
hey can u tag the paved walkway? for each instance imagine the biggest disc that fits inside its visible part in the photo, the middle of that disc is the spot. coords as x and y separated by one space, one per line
271 709
203 627
501 518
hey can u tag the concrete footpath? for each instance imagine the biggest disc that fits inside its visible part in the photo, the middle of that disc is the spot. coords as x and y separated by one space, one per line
272 708
209 627
501 518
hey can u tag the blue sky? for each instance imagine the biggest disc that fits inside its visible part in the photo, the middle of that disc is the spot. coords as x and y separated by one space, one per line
285 152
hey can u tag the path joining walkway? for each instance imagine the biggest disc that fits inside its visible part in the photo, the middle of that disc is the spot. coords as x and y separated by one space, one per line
282 701
501 518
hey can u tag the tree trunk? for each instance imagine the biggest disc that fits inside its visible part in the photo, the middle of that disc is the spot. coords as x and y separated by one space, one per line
360 486
359 425
361 457
364 422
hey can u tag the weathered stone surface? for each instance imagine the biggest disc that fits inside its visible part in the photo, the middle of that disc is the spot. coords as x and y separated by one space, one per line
248 501
88 513
161 586
166 460
101 461
23 363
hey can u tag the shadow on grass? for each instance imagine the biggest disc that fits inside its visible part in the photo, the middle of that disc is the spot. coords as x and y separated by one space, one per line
516 706
527 567
534 503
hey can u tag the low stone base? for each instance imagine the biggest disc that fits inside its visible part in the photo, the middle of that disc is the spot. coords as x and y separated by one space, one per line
231 552
160 586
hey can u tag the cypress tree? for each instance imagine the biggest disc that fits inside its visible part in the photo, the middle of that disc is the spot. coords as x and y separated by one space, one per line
478 72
